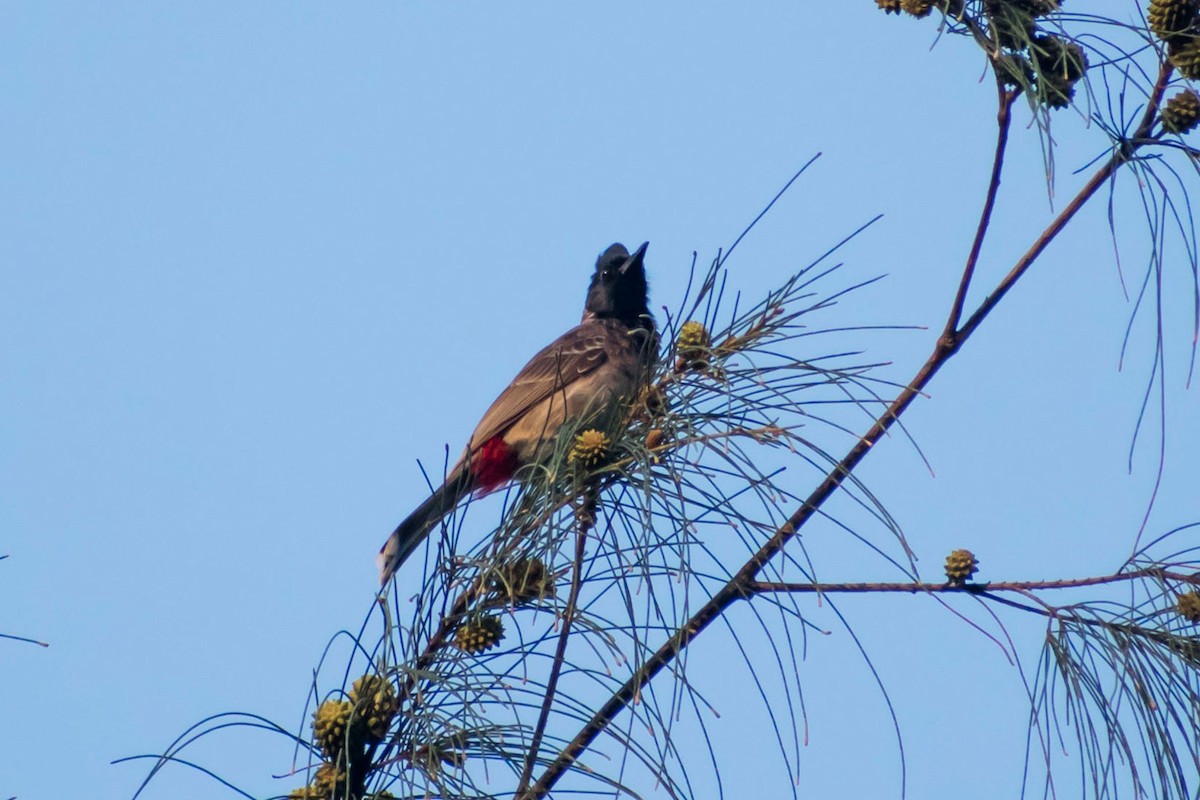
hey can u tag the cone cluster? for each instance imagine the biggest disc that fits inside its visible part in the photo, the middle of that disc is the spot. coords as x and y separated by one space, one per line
1177 24
1026 56
343 728
331 782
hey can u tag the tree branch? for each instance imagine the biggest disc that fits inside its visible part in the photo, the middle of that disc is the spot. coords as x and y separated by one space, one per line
765 587
1123 153
741 585
1003 123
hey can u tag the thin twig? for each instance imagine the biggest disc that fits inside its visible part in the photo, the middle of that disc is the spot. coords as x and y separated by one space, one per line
1003 123
1122 154
585 517
761 587
24 639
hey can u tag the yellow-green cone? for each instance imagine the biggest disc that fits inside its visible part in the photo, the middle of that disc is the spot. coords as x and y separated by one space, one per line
1188 606
590 448
1185 55
325 784
479 635
330 723
917 8
375 704
693 345
960 566
1181 114
1170 18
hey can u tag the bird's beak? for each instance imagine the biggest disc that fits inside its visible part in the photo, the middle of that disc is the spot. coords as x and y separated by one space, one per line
635 259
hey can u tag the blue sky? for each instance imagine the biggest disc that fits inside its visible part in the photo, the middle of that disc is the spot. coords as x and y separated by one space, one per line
257 259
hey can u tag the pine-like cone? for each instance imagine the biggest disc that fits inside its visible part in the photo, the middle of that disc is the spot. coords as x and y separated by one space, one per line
1056 93
590 448
1188 606
888 6
1065 59
960 566
917 8
693 346
330 724
653 401
1170 18
480 635
523 579
375 704
1181 114
1016 71
1060 65
1185 55
328 782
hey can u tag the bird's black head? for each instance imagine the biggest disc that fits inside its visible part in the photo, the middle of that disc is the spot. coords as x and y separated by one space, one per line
618 289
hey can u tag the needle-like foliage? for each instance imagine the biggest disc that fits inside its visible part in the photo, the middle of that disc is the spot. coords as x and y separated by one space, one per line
550 648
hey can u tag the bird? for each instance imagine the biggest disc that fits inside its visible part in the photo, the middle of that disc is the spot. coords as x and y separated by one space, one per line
585 376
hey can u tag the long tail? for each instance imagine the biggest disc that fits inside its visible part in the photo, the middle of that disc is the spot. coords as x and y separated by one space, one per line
412 531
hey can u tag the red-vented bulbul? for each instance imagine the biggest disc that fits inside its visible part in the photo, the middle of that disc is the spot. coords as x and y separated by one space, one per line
585 375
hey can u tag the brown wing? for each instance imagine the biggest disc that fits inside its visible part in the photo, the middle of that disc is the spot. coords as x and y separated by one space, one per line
576 353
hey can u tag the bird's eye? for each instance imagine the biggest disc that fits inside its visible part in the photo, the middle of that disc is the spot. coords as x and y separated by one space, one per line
608 275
